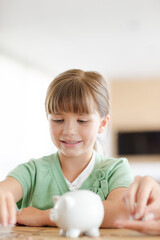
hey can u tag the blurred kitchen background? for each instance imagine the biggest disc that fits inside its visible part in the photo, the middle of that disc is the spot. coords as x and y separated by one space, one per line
118 38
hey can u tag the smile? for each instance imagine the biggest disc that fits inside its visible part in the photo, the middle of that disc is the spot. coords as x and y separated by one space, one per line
70 142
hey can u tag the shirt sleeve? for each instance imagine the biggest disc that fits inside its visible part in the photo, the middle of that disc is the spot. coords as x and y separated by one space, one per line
120 175
25 174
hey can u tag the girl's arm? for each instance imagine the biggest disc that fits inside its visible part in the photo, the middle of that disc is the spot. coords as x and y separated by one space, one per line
114 208
31 216
10 192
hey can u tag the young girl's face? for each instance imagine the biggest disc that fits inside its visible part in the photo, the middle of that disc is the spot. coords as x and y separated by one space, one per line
75 134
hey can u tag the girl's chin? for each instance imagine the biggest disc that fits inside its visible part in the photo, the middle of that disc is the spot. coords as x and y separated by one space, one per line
75 152
71 153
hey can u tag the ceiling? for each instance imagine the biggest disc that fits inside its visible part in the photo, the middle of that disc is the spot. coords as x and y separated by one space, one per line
116 37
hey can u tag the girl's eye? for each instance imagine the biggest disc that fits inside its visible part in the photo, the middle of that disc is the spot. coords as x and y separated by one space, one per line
82 121
58 120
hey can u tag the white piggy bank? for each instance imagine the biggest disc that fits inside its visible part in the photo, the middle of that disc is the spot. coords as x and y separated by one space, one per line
78 212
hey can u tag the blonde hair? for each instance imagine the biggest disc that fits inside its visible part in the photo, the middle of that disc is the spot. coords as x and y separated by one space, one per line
79 92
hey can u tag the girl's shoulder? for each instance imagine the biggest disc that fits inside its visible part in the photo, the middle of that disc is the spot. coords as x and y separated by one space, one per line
109 164
108 174
45 159
38 164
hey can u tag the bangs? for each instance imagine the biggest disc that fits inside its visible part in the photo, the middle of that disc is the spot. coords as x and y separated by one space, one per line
71 97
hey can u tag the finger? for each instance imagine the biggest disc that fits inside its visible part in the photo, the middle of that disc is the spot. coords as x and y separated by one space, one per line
3 212
143 195
11 209
130 196
128 200
153 209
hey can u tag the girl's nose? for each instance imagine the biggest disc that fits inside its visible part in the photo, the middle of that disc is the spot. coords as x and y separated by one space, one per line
69 129
68 132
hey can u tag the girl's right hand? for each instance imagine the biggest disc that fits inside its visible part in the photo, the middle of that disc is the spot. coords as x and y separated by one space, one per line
7 208
142 198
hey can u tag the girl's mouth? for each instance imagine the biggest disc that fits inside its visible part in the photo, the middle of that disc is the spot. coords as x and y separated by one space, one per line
70 143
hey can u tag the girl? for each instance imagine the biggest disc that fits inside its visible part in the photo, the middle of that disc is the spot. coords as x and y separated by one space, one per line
77 108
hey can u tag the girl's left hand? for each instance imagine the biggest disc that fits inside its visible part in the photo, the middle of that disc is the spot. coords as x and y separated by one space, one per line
30 216
151 227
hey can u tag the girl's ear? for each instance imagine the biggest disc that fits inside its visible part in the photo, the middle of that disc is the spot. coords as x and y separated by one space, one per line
104 122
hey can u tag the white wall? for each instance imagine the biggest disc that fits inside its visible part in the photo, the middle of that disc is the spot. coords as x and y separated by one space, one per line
23 130
115 37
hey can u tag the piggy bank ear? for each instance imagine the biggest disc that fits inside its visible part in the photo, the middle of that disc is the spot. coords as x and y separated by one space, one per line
69 202
55 199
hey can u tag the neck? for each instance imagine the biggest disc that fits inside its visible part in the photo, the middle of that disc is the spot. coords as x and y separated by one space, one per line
73 166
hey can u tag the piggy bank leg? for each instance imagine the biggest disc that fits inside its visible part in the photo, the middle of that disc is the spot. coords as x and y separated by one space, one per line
93 232
73 233
62 232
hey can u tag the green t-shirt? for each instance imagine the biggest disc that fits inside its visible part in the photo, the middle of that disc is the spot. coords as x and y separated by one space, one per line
43 178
